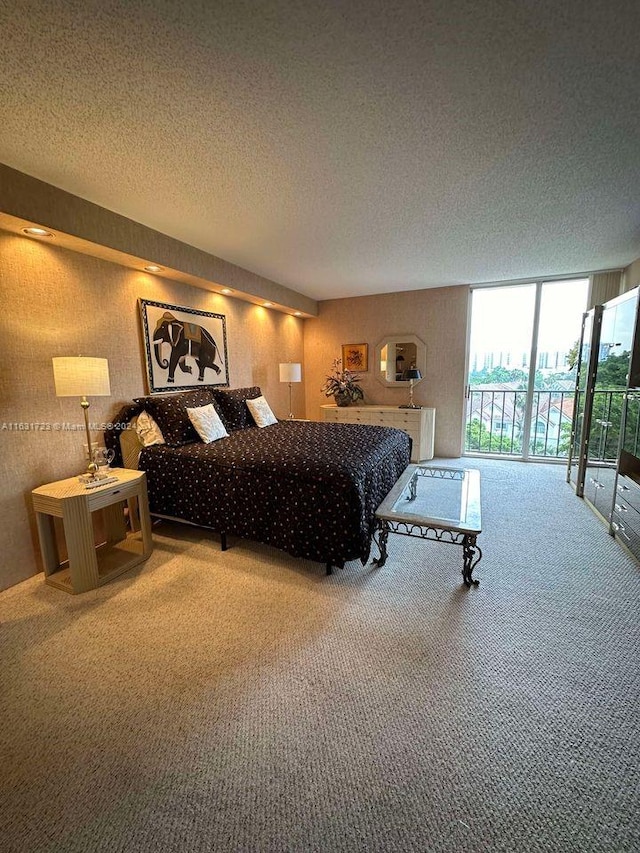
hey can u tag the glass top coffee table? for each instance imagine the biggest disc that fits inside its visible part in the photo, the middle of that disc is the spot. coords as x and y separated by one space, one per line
441 504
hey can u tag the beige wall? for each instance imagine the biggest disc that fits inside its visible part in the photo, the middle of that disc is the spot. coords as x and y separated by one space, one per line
605 286
58 302
86 227
631 276
437 316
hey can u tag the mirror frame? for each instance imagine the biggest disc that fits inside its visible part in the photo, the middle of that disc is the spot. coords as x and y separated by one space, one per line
421 359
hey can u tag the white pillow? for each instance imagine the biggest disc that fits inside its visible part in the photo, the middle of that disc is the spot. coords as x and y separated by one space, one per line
207 423
148 430
261 412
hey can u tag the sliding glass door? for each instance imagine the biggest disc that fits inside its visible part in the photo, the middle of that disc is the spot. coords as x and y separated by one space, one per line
521 378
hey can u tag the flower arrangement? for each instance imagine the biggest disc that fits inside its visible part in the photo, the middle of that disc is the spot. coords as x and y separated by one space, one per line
342 385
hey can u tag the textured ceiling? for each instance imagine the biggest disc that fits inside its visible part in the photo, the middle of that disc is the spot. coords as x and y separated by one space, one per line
341 148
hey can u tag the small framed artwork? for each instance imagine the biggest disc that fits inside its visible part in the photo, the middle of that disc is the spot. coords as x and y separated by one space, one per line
355 357
184 347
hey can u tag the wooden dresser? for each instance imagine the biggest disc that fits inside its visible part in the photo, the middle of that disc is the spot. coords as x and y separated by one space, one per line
418 423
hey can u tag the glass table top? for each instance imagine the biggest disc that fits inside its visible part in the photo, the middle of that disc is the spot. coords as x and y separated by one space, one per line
448 498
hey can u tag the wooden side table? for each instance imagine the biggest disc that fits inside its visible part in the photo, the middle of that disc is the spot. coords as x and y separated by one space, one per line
88 566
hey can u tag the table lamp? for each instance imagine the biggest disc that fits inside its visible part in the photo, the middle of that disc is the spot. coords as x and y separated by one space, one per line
290 372
412 374
77 376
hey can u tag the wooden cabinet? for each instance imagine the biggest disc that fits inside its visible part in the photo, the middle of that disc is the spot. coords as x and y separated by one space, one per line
88 565
617 336
625 516
419 424
604 462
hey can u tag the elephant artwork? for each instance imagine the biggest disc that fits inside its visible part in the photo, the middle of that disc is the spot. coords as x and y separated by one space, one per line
184 340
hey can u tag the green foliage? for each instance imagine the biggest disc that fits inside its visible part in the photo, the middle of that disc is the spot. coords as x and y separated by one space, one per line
612 372
342 383
481 440
565 440
572 355
478 438
606 418
498 375
518 378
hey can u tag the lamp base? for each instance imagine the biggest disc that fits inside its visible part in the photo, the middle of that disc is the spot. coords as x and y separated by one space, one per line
92 477
406 406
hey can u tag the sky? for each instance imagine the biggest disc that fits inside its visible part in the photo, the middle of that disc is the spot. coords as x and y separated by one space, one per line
502 317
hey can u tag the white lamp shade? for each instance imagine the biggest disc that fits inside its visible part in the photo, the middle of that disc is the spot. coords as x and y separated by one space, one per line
290 372
77 376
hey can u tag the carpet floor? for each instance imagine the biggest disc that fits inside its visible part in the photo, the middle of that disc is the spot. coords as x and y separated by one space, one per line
242 701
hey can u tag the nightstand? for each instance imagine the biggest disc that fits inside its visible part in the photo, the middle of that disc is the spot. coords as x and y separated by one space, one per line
89 566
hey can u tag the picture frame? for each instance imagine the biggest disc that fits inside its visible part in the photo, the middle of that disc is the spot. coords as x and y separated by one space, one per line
184 347
355 357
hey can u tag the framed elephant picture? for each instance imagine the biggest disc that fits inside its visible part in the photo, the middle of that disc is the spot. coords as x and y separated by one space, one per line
184 347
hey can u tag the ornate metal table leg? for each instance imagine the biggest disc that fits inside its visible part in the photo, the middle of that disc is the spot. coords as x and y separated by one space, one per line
471 557
380 536
413 487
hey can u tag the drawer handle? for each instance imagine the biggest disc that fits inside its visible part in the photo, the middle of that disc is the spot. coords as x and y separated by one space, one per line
596 483
620 508
622 488
620 528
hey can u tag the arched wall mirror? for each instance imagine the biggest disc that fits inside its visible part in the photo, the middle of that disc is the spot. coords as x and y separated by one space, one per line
395 354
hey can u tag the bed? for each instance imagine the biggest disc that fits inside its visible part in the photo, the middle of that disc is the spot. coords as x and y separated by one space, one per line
308 488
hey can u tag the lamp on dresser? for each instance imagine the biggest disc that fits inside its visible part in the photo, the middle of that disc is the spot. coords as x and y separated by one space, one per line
290 372
413 375
77 376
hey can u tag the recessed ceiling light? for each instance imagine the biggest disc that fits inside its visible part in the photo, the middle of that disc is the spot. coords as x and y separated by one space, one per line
267 304
297 313
37 232
226 290
153 268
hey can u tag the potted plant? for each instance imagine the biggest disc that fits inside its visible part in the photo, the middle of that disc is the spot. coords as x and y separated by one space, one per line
342 385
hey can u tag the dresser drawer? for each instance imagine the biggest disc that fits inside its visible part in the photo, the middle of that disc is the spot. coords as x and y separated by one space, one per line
629 492
405 417
330 415
104 497
381 419
625 533
626 514
359 418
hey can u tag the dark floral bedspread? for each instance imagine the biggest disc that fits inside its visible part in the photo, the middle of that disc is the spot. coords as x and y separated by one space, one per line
309 488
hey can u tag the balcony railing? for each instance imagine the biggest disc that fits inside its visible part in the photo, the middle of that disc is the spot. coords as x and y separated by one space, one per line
495 420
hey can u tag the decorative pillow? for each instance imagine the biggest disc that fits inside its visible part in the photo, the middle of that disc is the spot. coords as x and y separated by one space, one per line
207 423
148 430
261 411
169 411
233 407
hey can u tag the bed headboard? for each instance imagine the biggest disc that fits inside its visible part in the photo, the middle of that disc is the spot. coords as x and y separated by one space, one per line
122 438
130 445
